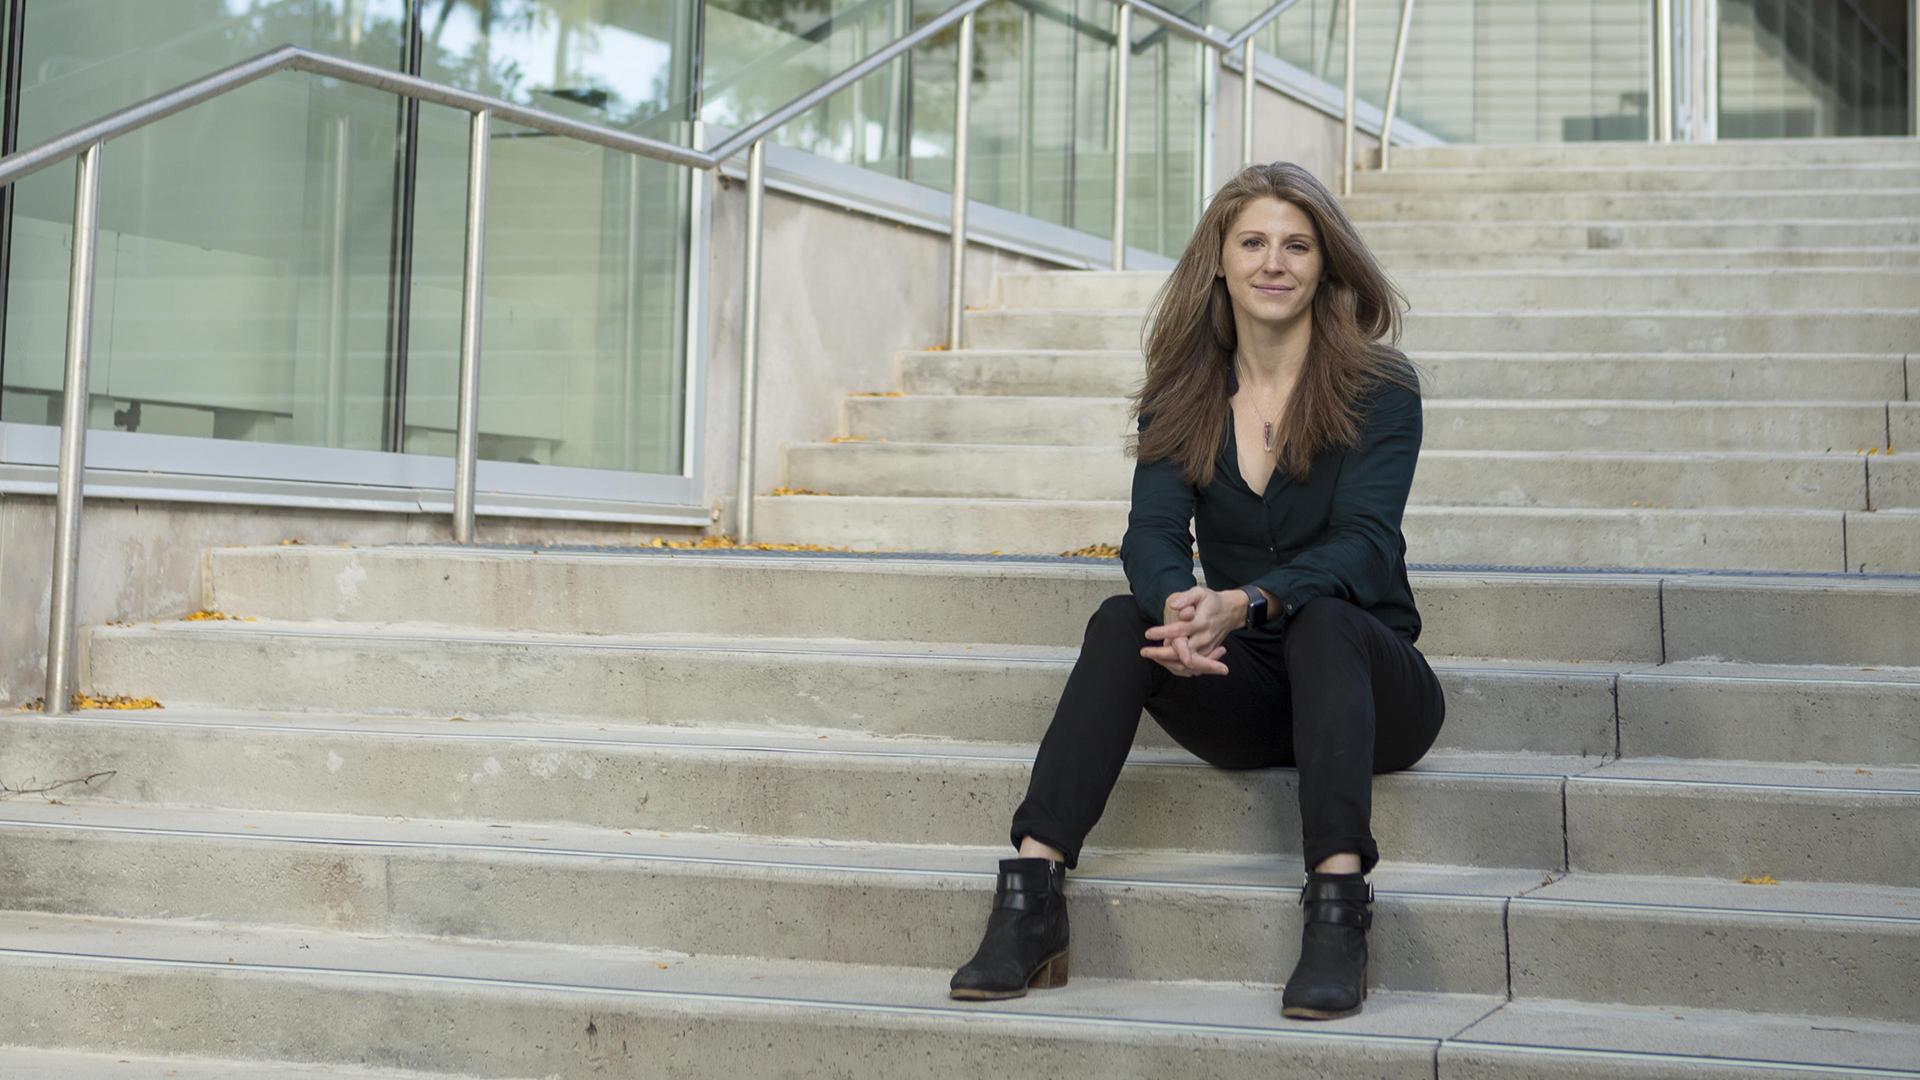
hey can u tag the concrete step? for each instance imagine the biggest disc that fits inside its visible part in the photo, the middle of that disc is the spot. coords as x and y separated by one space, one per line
1780 713
834 688
1535 376
1666 178
1444 477
1646 816
1160 917
1452 809
1446 535
1630 206
1893 482
987 693
1388 238
22 1063
1730 154
496 1007
1882 539
1891 331
1500 291
1417 252
1165 916
574 1014
1449 424
1846 619
1731 809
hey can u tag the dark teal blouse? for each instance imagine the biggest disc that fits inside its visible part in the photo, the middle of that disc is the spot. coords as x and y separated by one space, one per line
1337 534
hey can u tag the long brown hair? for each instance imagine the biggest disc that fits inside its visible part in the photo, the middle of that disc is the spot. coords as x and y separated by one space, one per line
1189 337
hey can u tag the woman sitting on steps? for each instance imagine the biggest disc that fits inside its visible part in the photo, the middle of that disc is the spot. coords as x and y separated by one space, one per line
1275 419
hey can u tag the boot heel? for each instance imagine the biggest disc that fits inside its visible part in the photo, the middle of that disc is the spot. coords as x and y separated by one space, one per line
1052 974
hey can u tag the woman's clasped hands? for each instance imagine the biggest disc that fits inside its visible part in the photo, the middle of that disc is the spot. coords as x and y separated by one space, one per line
1195 622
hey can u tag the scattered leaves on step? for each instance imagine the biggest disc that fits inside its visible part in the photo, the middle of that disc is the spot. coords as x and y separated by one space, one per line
847 438
1093 551
934 348
216 616
1763 879
289 542
661 966
728 543
797 491
878 393
1863 772
36 705
118 702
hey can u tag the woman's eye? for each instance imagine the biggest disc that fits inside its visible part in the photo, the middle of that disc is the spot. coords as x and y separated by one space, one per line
1248 243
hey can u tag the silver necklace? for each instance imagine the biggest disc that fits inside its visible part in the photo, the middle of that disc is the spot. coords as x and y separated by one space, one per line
1266 425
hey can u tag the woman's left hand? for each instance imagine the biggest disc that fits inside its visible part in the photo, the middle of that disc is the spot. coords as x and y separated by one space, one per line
1204 617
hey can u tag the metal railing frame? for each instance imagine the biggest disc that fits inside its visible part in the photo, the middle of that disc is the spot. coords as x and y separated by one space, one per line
86 144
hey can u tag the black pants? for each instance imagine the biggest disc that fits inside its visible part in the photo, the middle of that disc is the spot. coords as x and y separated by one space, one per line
1340 697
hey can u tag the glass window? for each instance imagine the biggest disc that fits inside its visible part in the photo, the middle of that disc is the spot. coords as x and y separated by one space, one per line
583 341
245 245
252 254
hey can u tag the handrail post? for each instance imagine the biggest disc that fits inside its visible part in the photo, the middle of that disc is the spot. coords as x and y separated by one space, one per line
1122 60
1346 126
750 333
467 430
69 491
1247 82
957 254
1393 80
1663 70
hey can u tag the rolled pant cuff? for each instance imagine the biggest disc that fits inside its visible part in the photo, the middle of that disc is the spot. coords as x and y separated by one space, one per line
1045 835
1318 850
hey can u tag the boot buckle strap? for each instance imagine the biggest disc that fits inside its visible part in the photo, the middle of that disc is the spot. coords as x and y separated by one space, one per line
1016 881
1339 914
1019 901
1336 890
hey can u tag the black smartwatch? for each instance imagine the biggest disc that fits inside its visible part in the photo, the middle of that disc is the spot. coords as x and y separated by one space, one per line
1256 606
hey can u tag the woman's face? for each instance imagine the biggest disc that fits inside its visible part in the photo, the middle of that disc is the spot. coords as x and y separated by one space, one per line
1271 261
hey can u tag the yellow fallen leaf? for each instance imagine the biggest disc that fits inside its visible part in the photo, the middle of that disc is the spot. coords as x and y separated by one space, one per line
847 438
728 543
1763 879
797 491
1093 551
878 393
216 616
117 702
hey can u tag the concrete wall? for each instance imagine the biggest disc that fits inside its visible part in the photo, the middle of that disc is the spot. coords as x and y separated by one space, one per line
841 292
1284 130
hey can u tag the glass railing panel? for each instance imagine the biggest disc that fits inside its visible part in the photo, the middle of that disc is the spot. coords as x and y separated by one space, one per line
1813 68
1489 70
757 56
583 338
245 245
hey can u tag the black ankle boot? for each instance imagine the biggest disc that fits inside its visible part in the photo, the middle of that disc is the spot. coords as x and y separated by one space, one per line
1330 981
1026 941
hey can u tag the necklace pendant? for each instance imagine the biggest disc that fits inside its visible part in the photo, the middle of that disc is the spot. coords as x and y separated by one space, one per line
1267 436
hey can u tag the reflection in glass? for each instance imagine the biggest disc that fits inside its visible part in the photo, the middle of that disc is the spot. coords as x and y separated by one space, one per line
244 250
583 341
1814 68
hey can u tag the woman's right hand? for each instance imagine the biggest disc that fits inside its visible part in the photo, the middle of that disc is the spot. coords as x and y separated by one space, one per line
1177 654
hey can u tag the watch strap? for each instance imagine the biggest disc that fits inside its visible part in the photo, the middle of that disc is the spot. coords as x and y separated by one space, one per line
1256 606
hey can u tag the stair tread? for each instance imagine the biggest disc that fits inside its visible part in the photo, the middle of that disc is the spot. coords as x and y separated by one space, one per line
1644 1037
714 740
966 866
1897 779
1090 1008
24 1063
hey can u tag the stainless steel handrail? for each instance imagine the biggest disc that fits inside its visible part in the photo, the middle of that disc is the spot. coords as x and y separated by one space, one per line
86 143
